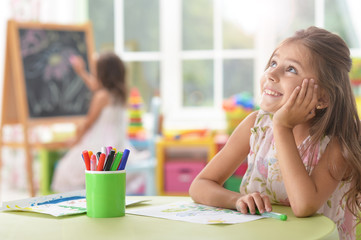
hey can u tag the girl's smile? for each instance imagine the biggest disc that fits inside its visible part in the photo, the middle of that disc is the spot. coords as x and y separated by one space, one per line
289 65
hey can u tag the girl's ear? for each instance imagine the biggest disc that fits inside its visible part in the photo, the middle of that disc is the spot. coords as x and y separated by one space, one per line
323 100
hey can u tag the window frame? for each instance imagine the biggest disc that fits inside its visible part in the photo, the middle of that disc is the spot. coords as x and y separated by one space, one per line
171 56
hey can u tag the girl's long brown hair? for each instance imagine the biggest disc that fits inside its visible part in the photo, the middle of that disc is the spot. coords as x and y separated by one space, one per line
331 58
110 71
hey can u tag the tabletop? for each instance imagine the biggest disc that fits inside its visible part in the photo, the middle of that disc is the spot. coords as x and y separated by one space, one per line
26 225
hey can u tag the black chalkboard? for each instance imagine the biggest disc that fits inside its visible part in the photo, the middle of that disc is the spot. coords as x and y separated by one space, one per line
53 89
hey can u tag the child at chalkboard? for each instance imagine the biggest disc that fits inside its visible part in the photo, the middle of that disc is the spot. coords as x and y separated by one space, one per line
105 123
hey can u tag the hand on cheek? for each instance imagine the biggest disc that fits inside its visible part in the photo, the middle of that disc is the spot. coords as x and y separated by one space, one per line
300 107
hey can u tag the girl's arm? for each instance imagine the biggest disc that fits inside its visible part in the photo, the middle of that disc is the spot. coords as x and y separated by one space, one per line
79 67
207 188
99 101
306 193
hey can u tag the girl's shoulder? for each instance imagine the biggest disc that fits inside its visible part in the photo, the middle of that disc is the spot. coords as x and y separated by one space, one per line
102 96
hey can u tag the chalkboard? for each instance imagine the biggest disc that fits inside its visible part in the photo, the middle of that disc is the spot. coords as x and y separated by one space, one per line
53 89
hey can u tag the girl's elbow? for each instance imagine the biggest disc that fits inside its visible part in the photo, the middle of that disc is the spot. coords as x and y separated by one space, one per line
303 210
192 190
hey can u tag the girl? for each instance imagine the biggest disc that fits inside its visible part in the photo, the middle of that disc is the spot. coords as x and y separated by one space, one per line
105 123
303 146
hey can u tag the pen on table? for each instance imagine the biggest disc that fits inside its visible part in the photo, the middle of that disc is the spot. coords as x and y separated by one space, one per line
101 162
93 163
124 159
116 161
279 216
109 161
86 159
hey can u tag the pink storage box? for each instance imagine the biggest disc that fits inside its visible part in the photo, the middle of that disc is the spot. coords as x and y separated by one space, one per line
242 169
179 175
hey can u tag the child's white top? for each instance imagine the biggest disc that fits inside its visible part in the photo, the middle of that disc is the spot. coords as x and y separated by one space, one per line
264 174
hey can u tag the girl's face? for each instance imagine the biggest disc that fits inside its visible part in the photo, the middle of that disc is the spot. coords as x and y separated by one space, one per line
288 67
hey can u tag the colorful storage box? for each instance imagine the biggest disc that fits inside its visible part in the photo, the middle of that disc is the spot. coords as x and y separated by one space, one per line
179 175
242 169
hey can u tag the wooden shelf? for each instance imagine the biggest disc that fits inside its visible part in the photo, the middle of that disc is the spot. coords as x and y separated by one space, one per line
206 143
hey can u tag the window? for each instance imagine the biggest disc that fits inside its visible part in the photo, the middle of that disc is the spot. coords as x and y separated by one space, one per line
101 14
341 17
195 53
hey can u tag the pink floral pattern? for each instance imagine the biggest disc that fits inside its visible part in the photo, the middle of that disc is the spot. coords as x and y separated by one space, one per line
264 175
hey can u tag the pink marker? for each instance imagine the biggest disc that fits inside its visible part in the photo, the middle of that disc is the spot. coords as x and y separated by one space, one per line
93 163
109 149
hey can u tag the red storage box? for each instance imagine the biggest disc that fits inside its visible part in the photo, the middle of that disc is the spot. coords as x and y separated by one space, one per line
179 175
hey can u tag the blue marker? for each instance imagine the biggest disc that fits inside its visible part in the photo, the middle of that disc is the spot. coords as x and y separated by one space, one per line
124 159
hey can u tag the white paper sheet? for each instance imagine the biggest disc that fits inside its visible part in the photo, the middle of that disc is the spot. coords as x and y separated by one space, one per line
194 213
61 204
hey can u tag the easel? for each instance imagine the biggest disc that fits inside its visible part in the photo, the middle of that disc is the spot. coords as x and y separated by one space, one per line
14 100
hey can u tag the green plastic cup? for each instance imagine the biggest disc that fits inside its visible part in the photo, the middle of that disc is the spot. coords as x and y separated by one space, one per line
105 193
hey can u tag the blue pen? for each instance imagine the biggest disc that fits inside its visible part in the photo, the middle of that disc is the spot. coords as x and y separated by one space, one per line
124 159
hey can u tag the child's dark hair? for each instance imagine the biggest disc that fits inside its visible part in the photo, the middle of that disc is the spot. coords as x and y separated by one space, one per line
110 71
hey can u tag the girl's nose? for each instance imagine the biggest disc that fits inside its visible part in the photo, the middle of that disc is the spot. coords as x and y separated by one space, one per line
272 75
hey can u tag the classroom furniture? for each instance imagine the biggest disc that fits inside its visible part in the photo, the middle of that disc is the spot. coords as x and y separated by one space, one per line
49 155
179 161
39 84
23 225
147 166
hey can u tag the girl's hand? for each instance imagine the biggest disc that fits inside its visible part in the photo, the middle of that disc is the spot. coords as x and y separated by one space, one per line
252 201
78 64
300 107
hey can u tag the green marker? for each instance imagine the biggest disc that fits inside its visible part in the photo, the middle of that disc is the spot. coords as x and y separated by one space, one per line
279 216
116 161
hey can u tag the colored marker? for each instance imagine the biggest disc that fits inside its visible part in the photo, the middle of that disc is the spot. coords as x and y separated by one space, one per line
124 160
104 150
93 163
109 161
279 216
90 153
101 162
116 161
109 148
98 155
86 159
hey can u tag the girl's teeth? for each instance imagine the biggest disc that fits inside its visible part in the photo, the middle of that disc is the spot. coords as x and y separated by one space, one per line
269 92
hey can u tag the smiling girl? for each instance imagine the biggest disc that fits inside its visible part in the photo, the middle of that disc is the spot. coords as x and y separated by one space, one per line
303 146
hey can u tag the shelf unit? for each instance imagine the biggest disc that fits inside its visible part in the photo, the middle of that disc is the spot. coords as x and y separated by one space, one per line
174 154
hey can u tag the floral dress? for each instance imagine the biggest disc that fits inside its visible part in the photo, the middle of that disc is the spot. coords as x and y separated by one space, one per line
264 174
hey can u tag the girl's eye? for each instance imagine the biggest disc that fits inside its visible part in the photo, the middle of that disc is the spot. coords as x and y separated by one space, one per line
292 70
273 64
